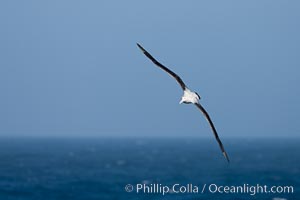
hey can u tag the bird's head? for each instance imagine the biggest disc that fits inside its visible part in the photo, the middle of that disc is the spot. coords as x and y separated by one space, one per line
181 101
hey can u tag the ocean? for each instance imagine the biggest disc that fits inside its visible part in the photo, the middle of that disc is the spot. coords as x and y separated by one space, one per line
148 168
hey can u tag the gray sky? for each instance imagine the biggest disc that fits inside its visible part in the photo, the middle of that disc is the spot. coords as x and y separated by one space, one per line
73 68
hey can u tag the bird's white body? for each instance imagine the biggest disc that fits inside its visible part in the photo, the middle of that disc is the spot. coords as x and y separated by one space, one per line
189 97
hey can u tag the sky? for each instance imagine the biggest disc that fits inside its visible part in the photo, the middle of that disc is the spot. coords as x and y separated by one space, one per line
72 68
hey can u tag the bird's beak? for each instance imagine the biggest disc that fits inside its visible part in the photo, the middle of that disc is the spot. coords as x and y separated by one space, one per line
181 101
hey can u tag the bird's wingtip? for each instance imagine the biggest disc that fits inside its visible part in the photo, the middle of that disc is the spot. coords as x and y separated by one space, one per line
141 48
226 156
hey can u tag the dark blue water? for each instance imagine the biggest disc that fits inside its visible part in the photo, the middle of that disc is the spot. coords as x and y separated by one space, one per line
99 169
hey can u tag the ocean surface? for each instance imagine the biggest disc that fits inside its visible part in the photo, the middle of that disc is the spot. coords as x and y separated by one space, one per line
101 168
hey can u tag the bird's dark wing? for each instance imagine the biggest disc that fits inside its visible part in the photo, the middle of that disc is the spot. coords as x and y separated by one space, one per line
163 67
213 129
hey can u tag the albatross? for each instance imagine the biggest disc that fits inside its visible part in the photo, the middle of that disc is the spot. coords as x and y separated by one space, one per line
189 97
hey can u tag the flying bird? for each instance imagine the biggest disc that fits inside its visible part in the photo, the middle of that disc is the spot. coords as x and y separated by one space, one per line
189 97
